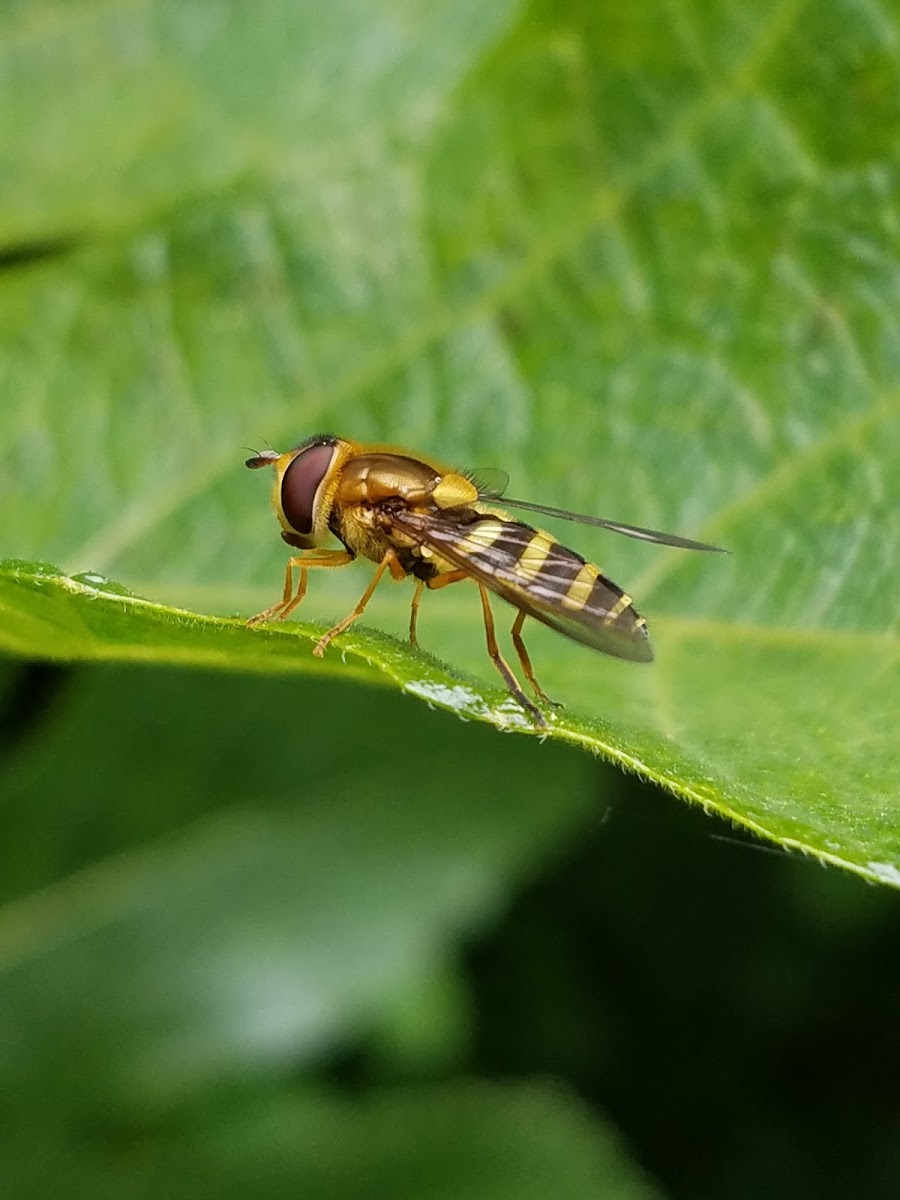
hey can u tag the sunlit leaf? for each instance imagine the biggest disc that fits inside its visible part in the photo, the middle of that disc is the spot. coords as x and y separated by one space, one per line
639 256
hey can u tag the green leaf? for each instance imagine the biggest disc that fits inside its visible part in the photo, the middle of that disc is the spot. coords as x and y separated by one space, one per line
477 1141
643 257
207 877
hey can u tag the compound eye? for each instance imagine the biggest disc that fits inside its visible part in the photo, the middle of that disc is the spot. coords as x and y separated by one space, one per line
300 485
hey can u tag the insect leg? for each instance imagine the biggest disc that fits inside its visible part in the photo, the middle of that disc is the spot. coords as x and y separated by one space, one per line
436 581
389 562
499 662
288 602
414 612
526 661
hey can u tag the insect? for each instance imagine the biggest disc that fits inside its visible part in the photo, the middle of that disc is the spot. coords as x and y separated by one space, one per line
412 516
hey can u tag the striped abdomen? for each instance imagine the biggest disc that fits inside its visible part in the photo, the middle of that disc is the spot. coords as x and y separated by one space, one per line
535 572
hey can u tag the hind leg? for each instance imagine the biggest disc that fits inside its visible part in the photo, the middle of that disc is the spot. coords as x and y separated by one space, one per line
526 661
501 664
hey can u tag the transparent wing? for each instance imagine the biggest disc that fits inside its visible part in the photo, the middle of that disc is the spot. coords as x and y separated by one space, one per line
495 483
533 572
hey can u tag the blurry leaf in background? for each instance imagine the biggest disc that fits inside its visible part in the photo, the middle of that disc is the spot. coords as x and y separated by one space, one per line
204 891
239 887
473 1140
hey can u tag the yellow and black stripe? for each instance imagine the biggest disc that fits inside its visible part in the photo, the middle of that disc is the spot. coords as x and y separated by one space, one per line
536 573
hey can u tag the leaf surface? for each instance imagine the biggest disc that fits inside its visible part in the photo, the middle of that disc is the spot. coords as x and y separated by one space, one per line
638 257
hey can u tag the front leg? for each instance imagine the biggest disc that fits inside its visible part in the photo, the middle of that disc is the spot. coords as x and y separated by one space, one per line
289 599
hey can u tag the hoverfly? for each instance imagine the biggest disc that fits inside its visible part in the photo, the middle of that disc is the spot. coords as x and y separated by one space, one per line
411 516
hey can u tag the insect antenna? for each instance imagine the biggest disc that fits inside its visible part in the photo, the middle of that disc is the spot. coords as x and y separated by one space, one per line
260 458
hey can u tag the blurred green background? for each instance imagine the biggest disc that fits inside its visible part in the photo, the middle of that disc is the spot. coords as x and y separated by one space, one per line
300 935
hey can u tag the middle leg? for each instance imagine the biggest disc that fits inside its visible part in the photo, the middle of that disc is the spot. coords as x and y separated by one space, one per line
435 583
391 563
